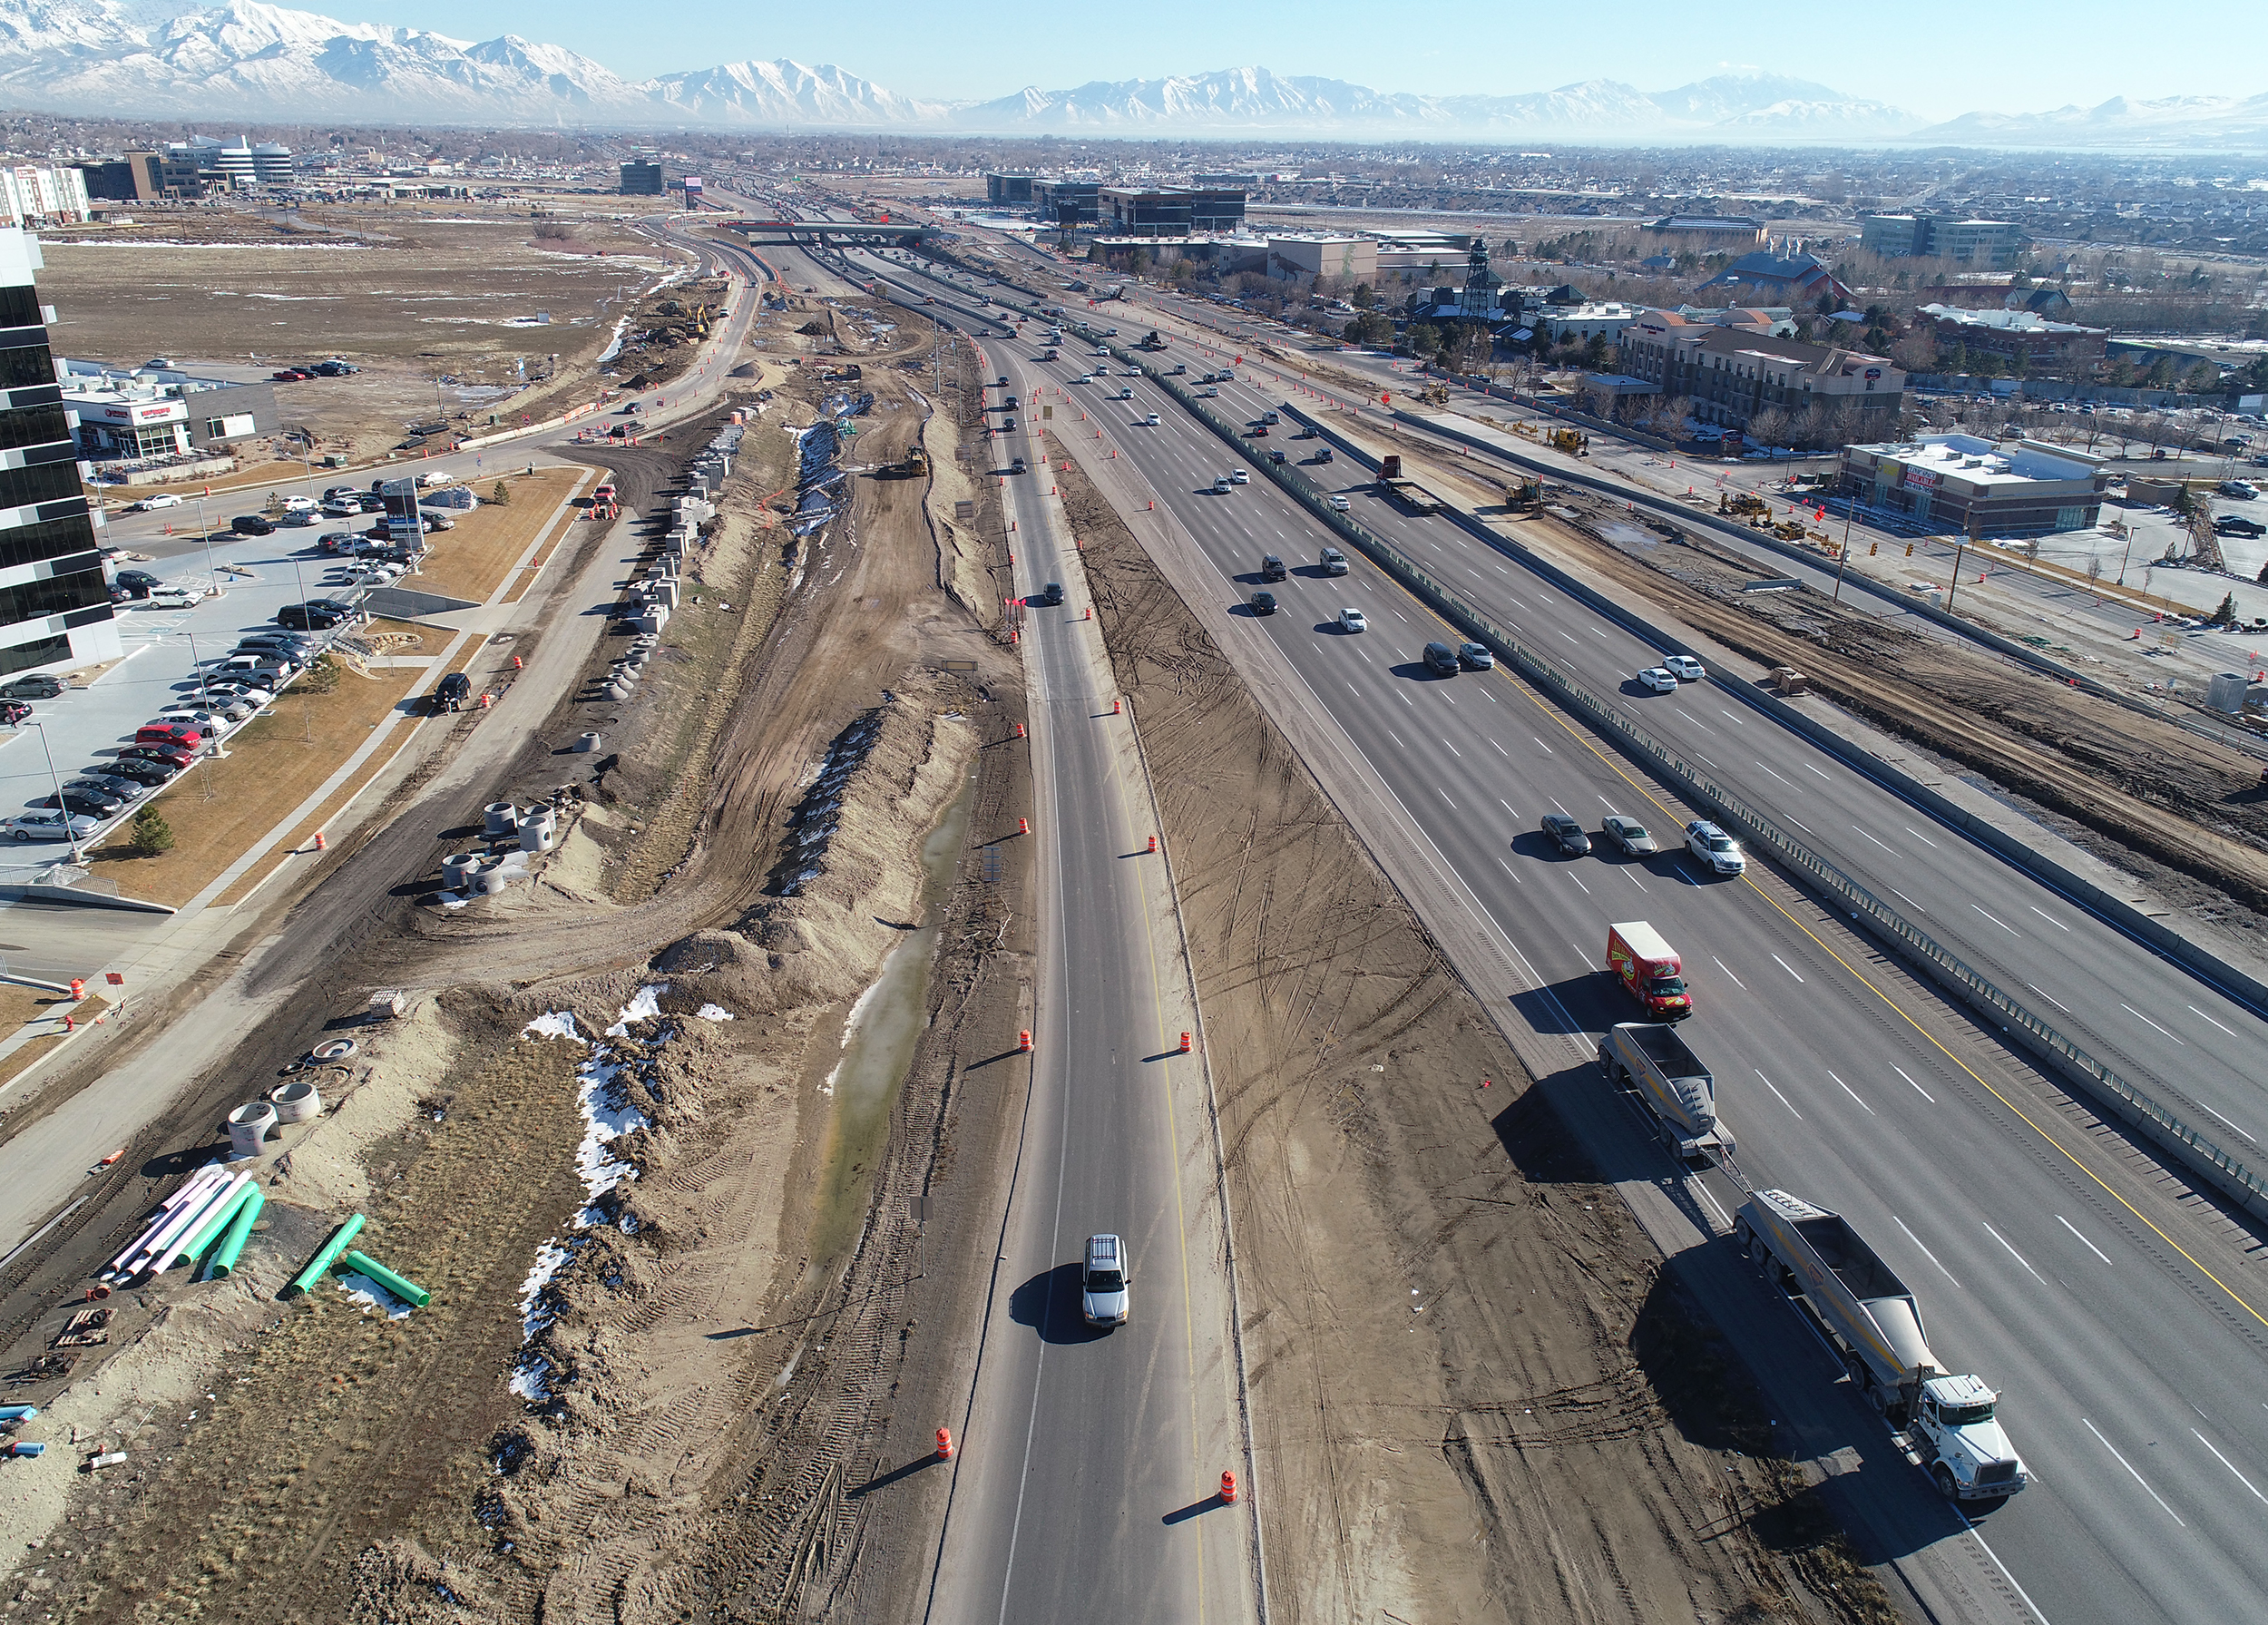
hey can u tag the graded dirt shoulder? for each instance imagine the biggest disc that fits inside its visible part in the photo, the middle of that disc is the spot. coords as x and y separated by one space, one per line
1475 1394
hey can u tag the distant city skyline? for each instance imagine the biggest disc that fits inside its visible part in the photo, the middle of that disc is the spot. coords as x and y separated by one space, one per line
1934 59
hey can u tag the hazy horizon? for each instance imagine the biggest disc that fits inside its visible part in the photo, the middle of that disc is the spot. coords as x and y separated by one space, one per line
2010 64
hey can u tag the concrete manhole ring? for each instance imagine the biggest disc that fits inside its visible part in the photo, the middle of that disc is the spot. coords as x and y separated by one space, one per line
337 1049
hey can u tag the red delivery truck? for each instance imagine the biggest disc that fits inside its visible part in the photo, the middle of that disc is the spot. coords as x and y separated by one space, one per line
1648 967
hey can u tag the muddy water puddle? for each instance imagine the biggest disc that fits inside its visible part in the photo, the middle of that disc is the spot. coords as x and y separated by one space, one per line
878 1039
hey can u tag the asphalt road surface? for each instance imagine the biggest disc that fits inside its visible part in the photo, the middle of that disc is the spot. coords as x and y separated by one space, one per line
2133 1384
1092 1469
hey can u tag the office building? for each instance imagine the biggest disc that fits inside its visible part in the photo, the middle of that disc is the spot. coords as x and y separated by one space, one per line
640 179
1979 487
1733 373
1066 203
55 603
1009 189
1765 278
1170 211
135 178
1991 244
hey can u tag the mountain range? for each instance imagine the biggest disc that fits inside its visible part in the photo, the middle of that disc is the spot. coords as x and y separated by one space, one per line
253 60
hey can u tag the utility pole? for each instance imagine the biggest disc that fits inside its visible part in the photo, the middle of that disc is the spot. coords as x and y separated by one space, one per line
1970 534
1843 559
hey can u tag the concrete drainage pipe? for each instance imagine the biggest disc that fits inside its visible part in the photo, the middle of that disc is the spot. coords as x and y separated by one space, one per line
295 1101
503 818
249 1125
336 1049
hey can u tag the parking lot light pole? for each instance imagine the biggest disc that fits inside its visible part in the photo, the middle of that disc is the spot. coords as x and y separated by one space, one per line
204 532
63 812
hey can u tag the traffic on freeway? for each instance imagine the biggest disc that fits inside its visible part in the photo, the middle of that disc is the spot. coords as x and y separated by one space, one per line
2129 1376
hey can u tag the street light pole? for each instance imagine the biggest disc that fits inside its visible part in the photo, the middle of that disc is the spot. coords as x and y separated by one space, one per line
63 812
1850 511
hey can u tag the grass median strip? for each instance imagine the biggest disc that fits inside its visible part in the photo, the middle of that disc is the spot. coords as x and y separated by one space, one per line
221 806
20 1006
470 560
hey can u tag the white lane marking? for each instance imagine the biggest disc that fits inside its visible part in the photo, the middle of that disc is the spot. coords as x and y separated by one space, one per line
1784 1099
1352 688
1546 748
2231 1466
2091 1247
2128 1465
2051 998
1508 806
1508 869
2020 1257
2230 1124
1997 1563
1501 751
1722 966
1785 965
1453 700
2130 1010
1781 780
1445 795
2003 925
2051 919
1706 759
1697 722
1902 1073
2196 1012
1578 879
1735 721
1925 1249
1628 872
1799 823
1395 738
1597 633
1689 879
1917 835
1816 770
1851 1092
1571 638
1487 696
1453 749
1883 845
1406 700
1908 902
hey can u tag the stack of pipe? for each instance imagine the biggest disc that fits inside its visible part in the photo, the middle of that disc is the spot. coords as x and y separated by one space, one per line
201 1197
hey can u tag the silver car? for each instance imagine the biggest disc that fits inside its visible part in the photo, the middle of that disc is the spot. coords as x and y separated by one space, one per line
1715 849
48 827
1103 1282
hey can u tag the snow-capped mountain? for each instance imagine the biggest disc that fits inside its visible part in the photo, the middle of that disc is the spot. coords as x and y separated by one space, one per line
246 59
2201 123
784 92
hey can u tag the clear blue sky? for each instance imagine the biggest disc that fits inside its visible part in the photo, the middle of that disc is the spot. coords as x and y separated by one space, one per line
1935 58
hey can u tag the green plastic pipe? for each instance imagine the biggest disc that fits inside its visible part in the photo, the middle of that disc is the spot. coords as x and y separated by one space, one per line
240 1232
209 1227
305 1280
401 1287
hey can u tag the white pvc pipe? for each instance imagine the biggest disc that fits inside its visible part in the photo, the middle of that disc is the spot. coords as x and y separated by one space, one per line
198 1190
202 1180
171 1254
167 1247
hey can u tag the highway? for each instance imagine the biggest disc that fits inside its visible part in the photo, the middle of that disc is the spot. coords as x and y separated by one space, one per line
2133 1384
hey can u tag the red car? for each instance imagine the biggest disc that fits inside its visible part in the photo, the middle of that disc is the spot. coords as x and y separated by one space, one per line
181 735
290 376
167 755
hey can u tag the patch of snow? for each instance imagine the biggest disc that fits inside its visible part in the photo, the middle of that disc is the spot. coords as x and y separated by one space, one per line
714 1012
557 1024
366 1294
644 1005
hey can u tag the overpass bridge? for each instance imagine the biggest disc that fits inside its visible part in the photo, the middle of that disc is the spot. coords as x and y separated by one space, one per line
795 231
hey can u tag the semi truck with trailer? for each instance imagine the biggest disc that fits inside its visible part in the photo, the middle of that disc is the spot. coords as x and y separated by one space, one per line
1872 1320
1399 487
1649 970
1650 1058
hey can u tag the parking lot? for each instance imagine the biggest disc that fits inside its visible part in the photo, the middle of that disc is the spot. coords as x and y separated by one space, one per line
163 648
